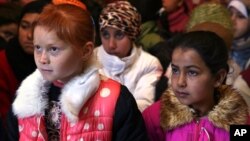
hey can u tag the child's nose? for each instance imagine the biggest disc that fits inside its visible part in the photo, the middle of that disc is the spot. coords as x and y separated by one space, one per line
182 80
44 58
112 44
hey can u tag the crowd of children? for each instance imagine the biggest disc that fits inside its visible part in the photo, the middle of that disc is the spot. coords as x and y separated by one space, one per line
125 70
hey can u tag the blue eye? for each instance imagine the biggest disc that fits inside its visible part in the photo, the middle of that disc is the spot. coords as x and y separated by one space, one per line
105 34
37 49
119 35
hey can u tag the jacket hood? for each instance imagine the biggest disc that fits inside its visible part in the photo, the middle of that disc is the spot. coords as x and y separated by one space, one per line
231 109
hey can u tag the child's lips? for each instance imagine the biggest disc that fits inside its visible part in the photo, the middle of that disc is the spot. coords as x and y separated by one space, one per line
46 70
181 94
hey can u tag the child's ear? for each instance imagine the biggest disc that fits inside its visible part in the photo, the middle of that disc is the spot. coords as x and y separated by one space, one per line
87 51
220 77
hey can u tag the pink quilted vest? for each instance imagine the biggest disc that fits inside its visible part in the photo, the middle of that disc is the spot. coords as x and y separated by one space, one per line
95 119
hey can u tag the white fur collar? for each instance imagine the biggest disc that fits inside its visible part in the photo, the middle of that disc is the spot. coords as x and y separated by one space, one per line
32 94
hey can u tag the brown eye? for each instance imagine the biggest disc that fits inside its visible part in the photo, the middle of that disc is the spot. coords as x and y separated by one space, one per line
192 73
174 70
54 50
24 25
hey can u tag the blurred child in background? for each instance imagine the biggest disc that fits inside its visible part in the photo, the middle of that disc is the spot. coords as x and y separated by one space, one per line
121 59
240 15
17 60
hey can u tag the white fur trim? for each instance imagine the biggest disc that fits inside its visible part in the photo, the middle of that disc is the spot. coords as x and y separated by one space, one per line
76 93
31 96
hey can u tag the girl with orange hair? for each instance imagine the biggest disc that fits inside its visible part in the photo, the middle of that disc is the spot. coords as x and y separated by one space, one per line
66 98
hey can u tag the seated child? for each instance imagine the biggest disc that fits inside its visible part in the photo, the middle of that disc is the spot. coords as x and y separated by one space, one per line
197 106
66 98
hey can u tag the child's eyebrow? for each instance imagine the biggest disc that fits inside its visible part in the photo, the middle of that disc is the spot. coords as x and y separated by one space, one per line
172 65
190 66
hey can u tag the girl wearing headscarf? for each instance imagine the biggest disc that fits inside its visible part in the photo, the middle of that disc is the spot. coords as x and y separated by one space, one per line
119 57
240 15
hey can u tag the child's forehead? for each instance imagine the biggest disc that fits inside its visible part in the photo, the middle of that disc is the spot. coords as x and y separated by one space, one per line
187 57
111 29
185 50
43 33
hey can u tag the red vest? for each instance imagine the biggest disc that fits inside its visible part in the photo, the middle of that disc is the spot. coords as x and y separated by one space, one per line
95 119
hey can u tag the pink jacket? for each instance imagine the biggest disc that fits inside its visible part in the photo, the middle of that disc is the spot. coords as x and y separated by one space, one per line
94 119
170 120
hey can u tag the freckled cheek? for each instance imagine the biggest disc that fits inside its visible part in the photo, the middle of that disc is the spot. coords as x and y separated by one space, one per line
173 82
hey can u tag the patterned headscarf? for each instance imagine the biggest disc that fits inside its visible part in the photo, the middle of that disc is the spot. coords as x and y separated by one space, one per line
122 16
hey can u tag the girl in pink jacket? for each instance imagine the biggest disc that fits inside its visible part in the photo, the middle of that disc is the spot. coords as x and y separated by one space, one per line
197 106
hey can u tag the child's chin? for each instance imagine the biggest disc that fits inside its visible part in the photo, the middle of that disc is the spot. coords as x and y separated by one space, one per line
50 79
